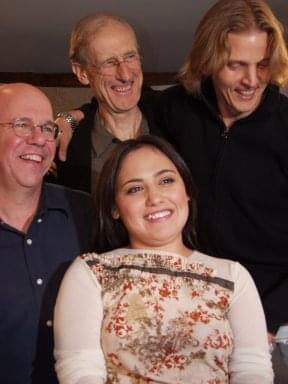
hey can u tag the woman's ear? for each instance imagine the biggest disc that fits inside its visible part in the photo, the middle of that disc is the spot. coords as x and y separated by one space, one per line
81 73
115 213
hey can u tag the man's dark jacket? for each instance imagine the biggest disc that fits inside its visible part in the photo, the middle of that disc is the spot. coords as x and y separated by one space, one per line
242 176
75 172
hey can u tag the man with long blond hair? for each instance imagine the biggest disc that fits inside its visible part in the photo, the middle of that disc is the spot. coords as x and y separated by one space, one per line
230 122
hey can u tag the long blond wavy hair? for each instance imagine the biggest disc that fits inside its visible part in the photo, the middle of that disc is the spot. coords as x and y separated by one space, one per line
210 48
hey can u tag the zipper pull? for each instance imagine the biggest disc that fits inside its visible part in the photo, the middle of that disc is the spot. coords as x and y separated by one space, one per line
224 134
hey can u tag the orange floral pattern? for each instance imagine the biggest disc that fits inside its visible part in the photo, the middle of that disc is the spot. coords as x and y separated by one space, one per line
165 318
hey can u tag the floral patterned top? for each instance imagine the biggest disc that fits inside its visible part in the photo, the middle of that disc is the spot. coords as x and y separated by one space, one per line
140 316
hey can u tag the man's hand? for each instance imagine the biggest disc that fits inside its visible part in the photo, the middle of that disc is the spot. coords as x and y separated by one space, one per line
64 137
66 133
271 341
53 170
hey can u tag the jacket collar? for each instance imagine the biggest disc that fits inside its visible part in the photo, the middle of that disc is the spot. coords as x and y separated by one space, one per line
268 104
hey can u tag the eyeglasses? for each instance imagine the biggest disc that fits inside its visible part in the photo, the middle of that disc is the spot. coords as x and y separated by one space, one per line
109 66
25 127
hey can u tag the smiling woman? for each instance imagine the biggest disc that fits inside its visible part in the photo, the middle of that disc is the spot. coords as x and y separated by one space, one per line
142 180
155 309
151 200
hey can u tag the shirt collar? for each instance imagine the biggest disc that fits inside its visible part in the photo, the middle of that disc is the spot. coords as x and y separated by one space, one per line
104 138
52 199
269 101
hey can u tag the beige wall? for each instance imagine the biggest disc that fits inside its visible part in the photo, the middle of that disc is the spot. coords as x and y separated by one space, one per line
65 99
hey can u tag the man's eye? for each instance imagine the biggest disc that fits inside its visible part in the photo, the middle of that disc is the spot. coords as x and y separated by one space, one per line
263 65
48 128
130 56
22 125
110 63
233 65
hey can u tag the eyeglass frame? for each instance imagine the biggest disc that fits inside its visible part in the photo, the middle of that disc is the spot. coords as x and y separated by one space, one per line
32 128
115 62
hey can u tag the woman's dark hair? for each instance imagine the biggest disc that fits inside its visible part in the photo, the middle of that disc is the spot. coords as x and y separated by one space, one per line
111 233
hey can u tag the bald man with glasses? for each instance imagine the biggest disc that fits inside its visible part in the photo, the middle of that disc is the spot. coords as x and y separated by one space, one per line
42 228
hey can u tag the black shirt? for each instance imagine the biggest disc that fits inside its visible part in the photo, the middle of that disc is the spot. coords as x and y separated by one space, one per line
242 178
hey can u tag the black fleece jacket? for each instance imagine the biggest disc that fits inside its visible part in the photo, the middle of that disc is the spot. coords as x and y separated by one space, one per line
242 176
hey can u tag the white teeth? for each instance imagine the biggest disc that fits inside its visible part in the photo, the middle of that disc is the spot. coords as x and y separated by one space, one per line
247 92
122 89
158 215
32 157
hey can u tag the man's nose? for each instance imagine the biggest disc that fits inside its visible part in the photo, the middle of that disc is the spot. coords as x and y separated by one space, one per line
251 76
36 136
123 71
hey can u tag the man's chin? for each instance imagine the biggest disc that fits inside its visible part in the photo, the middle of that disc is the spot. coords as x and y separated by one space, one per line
244 108
123 108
